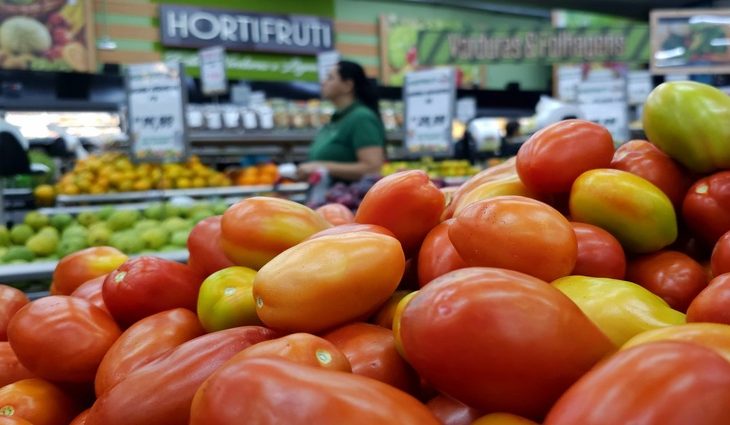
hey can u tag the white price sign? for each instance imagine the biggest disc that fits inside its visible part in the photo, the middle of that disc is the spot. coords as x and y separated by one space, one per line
213 70
429 98
568 77
638 86
604 102
156 106
325 62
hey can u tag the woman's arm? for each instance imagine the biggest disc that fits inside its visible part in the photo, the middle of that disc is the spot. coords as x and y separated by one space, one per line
369 161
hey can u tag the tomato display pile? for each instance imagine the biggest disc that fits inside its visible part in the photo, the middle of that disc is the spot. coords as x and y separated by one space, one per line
573 284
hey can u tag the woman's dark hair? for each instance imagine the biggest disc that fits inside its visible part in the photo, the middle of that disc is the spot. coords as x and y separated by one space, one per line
364 90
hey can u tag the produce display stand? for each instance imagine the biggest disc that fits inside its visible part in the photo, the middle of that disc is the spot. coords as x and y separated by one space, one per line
10 273
158 195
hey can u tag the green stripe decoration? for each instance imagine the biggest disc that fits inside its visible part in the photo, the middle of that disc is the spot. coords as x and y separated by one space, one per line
543 45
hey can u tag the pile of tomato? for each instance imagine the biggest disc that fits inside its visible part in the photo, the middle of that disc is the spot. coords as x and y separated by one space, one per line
573 284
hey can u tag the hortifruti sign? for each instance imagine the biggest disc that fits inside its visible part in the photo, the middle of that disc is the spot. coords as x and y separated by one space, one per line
265 46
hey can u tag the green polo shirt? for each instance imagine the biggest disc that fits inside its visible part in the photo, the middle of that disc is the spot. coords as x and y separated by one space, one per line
350 129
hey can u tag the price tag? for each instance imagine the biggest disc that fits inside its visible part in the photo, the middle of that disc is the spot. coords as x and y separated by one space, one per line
568 77
213 70
429 98
156 106
325 62
639 85
604 102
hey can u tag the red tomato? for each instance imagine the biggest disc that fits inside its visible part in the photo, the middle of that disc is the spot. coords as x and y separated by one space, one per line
475 334
406 203
302 348
706 208
336 214
12 420
672 275
252 391
599 253
505 169
84 265
516 233
351 228
646 160
11 370
660 383
144 286
11 300
144 342
258 229
37 401
204 244
62 338
451 412
713 303
371 352
91 291
80 419
437 255
384 316
160 392
720 260
555 156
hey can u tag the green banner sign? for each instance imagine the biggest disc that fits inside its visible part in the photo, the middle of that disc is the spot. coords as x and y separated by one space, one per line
545 45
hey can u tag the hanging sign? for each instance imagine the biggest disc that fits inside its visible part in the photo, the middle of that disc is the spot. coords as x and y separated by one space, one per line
213 70
156 101
429 98
191 26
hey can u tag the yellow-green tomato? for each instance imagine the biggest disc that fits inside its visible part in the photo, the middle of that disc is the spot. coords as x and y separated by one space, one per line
619 308
690 122
632 209
226 299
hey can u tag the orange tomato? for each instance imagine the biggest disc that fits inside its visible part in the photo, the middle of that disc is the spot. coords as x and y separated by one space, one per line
37 401
505 186
397 316
516 233
11 300
503 419
84 265
325 282
62 338
384 316
351 228
372 353
406 203
715 336
505 169
336 214
302 348
11 370
258 229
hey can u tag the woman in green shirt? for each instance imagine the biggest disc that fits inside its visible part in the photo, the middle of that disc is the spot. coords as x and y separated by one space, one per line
352 144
